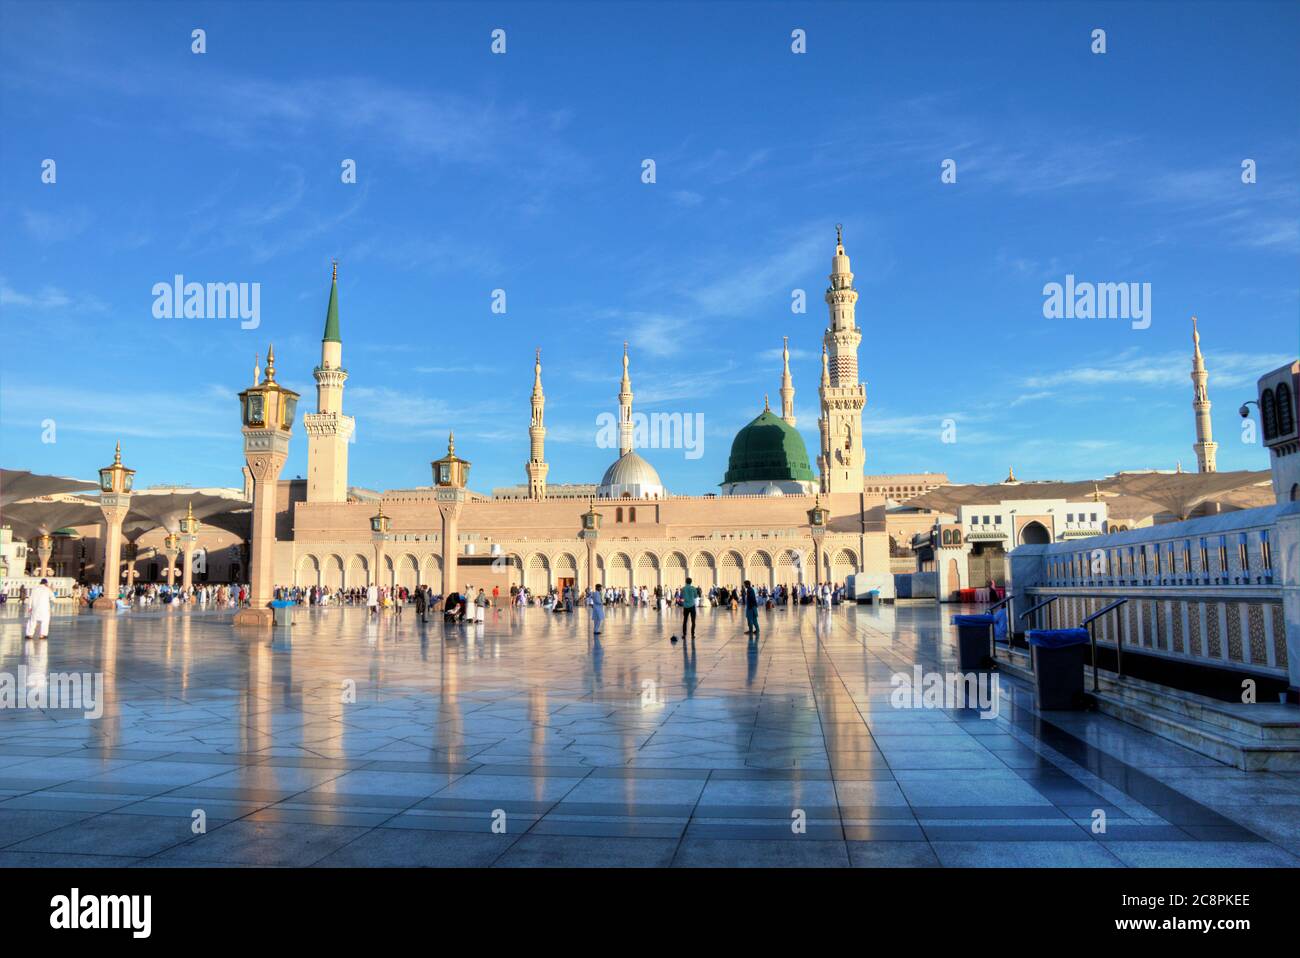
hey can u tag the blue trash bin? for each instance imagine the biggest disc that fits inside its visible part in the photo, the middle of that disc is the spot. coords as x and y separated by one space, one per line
282 610
972 641
1059 657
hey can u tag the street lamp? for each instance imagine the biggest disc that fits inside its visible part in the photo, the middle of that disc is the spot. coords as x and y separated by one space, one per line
818 516
379 526
189 539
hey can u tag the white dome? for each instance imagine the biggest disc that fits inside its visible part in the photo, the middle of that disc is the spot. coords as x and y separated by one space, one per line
631 476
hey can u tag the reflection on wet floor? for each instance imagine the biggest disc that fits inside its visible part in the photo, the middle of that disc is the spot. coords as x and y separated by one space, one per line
523 741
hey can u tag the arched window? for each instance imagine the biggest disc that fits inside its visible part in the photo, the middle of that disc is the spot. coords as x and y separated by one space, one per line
618 514
1285 411
947 537
1268 414
956 537
631 514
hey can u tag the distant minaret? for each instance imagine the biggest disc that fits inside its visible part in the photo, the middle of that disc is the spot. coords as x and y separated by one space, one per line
787 384
1205 446
537 467
625 410
328 430
824 456
843 395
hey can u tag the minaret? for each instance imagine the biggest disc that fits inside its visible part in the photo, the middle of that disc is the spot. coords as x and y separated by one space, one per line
328 430
537 467
824 449
1205 446
843 396
787 384
625 410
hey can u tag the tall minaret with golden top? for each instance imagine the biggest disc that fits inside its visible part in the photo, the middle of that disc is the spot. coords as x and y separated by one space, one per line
843 395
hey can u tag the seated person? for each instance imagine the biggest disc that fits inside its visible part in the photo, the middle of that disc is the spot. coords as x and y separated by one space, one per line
454 608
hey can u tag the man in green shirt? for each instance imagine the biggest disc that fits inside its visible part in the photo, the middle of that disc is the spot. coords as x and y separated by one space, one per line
690 596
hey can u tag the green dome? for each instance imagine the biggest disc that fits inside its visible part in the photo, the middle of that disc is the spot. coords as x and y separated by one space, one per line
768 449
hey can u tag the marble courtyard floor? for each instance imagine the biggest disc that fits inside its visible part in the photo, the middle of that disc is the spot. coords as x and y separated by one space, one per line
631 751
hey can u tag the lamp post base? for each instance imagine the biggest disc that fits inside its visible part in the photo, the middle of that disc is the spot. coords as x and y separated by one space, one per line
255 618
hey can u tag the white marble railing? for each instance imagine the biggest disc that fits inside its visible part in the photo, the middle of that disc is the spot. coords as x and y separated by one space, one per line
1210 590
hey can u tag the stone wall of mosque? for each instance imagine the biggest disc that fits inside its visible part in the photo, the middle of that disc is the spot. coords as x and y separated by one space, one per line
715 540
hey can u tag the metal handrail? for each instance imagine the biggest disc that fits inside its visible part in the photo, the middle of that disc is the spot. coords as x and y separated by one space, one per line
993 632
1092 640
1040 605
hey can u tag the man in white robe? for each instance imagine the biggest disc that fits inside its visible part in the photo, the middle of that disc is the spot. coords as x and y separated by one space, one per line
39 605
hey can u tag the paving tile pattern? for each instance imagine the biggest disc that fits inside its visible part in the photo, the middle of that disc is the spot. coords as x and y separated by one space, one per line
524 742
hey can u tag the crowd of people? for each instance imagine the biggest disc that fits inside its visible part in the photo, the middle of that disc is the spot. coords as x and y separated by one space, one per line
145 595
457 606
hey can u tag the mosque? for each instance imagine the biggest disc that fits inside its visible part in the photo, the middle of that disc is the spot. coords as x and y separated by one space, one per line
776 520
780 517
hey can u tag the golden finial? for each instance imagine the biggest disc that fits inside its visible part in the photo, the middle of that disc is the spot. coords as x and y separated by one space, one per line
539 355
451 443
189 510
766 407
1096 493
839 235
117 454
270 363
1011 475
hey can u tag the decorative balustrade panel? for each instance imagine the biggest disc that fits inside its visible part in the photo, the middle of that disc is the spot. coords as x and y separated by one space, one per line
1205 589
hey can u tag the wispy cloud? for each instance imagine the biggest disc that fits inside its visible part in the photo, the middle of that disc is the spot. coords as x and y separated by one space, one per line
1133 367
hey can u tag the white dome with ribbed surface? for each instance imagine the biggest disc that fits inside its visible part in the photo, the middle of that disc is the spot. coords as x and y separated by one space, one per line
631 477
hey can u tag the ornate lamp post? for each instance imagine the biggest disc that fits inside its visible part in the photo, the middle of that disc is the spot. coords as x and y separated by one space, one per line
267 410
44 549
450 476
171 549
115 483
590 533
817 518
379 526
189 539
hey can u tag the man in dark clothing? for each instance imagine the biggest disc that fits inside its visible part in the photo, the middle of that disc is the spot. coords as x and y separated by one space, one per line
690 596
751 609
422 604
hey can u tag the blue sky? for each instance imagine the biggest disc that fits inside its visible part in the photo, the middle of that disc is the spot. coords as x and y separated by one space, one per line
523 172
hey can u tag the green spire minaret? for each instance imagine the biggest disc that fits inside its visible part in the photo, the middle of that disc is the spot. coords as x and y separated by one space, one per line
332 313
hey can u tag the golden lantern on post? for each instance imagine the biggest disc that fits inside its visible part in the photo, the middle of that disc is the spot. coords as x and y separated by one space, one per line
44 549
379 526
451 471
171 547
267 411
590 533
268 405
115 482
818 516
189 538
450 477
